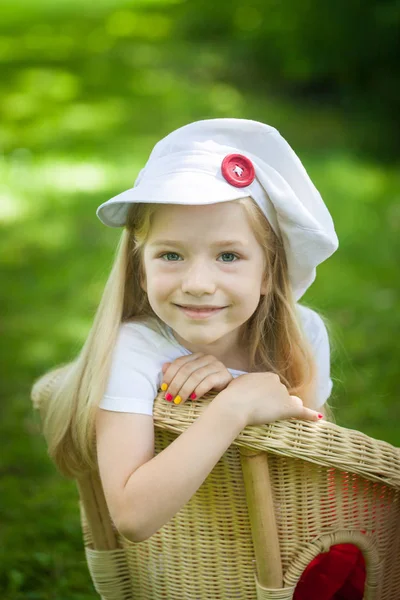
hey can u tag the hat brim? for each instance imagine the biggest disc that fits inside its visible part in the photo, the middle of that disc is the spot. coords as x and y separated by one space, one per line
187 187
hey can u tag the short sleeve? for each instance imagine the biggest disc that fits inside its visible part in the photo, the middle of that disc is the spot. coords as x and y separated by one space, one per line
132 383
321 348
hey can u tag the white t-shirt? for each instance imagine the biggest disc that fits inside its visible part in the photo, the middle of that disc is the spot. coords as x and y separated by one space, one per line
143 347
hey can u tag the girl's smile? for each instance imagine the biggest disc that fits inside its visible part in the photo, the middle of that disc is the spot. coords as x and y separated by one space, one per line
196 313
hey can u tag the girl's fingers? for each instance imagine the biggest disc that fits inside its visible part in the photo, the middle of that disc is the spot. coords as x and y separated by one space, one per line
178 372
205 377
299 411
310 415
184 376
217 380
296 409
172 368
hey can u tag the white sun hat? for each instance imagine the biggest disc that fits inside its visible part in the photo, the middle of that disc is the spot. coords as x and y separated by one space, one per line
219 160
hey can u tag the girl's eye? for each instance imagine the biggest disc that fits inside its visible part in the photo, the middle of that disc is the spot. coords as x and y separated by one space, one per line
223 254
229 254
168 254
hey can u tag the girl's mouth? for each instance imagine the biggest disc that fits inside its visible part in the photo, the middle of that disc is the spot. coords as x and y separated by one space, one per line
199 313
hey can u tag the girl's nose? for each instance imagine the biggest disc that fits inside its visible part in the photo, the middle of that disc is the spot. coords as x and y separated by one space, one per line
199 280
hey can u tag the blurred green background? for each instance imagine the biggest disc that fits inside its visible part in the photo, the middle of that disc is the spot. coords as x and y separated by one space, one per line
87 88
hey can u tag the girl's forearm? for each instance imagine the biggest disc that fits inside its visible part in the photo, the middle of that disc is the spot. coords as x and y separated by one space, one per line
158 489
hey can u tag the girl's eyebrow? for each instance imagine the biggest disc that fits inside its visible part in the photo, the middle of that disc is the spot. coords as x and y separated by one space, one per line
177 243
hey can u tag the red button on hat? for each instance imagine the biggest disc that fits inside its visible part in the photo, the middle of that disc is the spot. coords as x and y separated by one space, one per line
238 170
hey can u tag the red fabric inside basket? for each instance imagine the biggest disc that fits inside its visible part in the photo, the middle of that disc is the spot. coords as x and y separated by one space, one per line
335 575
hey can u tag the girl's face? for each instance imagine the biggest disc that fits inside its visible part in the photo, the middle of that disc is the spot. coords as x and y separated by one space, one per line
196 268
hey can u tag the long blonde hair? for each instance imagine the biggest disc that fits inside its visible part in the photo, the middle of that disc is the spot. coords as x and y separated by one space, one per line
274 337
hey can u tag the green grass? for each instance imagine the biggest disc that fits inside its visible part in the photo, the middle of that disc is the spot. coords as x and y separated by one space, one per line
83 100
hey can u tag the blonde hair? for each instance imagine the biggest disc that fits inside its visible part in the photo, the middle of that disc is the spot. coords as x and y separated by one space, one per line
274 337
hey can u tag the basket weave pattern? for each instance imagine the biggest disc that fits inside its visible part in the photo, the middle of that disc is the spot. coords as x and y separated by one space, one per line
329 485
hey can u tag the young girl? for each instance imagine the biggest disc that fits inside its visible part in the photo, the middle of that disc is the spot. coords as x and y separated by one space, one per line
223 231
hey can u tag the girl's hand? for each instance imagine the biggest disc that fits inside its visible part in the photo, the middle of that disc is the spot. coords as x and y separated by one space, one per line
192 376
260 398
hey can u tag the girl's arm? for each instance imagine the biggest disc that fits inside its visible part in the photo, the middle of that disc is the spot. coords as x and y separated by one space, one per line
144 491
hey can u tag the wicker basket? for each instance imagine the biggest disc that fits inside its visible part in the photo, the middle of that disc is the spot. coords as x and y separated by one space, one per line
280 495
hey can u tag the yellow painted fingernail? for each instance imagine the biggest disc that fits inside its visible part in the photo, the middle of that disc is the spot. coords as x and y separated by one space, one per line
177 399
164 387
